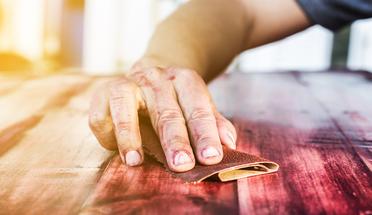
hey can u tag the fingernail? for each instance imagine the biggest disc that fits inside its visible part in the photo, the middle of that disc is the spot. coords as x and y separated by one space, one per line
210 152
232 139
182 158
133 158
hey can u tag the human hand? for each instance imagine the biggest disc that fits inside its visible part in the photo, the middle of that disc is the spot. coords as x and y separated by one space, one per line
181 111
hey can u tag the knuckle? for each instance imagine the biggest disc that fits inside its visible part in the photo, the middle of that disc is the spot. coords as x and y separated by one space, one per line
187 73
149 77
121 97
201 114
117 99
121 85
123 127
169 116
136 75
205 139
141 79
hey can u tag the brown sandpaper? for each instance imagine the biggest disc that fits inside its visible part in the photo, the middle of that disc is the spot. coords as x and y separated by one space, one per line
234 165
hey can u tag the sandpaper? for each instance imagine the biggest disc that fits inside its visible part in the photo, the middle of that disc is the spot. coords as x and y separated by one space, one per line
234 165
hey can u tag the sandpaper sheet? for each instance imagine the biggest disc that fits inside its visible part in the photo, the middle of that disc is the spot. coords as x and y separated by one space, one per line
234 165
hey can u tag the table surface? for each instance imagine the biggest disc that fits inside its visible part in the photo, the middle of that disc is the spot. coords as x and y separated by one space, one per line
317 126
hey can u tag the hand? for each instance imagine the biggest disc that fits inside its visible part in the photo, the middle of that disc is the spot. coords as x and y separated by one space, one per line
181 112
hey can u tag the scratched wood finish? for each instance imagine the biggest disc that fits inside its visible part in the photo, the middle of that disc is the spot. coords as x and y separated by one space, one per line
283 119
317 126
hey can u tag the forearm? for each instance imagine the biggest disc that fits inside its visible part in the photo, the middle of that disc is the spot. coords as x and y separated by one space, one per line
203 35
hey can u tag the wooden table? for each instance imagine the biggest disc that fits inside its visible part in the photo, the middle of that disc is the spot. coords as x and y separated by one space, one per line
317 126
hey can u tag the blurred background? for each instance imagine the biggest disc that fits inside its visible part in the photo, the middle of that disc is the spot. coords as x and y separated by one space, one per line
105 37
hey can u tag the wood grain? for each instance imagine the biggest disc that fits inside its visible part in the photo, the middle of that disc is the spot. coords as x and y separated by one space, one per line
321 173
52 161
353 113
317 126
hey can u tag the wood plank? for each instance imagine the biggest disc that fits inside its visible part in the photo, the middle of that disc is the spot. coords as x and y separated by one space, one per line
37 94
22 109
55 163
279 119
347 99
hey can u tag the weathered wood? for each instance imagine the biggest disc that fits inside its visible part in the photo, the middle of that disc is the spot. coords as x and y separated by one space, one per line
348 101
317 126
51 161
281 120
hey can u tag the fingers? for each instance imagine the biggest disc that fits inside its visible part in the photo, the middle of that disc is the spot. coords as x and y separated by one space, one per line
100 120
113 118
196 105
167 120
226 131
124 105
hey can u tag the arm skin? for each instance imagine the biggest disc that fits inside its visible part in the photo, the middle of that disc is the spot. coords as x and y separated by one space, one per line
189 48
205 35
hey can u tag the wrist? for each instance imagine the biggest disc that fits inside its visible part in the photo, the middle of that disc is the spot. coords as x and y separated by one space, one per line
156 61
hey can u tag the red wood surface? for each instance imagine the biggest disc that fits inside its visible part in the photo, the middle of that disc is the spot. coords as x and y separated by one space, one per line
317 126
284 120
